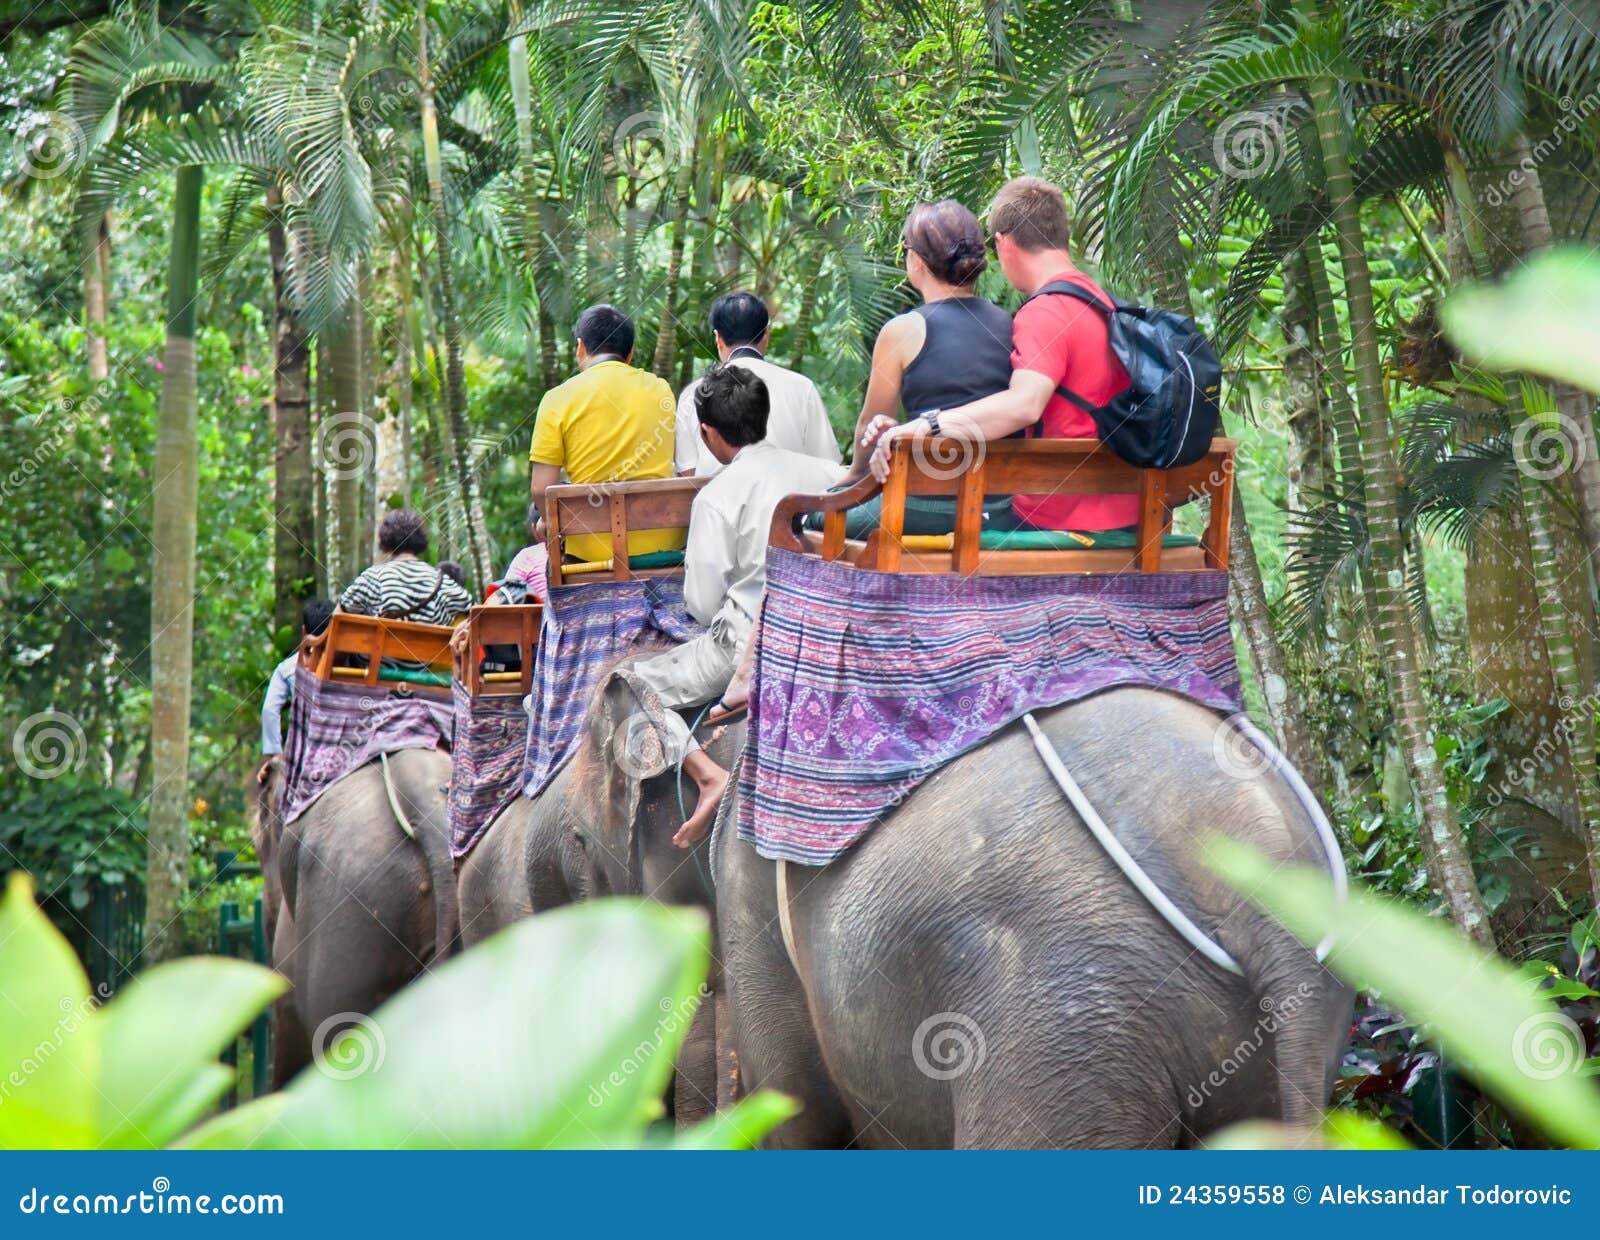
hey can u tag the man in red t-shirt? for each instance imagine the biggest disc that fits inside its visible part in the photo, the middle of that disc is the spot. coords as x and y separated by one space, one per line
1057 341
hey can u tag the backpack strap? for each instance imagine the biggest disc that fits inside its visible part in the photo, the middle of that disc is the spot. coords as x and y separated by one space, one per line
1078 293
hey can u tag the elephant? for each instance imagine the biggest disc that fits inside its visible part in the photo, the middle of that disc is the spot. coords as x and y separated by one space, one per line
604 826
977 972
354 909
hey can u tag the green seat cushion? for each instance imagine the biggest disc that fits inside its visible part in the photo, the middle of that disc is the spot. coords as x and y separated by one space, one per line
1063 540
656 559
414 675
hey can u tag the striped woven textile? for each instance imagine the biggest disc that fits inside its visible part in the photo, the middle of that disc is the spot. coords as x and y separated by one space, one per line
485 763
867 683
336 728
588 626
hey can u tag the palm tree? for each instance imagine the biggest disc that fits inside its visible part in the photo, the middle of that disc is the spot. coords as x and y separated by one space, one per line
129 73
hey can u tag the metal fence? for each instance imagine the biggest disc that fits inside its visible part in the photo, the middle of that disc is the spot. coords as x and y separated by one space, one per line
250 1052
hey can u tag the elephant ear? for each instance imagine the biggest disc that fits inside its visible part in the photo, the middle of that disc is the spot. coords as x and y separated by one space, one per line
627 746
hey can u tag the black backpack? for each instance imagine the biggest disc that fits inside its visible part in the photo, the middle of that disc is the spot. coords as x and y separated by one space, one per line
1168 414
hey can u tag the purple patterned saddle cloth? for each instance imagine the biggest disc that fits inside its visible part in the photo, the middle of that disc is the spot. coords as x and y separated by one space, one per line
588 627
485 763
867 683
338 728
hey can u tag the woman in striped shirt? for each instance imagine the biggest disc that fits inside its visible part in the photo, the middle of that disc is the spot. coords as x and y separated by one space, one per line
402 586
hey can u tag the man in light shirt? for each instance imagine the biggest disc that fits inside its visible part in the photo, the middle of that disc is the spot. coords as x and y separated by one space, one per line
725 565
314 617
798 421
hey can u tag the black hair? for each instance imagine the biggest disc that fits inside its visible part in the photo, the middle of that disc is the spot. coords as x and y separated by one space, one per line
533 516
454 571
605 329
948 238
739 318
316 614
734 401
403 529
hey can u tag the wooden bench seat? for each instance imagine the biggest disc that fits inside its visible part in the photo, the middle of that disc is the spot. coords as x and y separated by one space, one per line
617 509
1012 467
491 625
388 654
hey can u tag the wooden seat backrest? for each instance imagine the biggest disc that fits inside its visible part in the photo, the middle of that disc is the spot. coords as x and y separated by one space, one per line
377 639
617 509
926 465
499 626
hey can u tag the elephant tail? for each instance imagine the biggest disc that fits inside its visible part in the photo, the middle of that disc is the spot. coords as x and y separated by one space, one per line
1306 1010
422 808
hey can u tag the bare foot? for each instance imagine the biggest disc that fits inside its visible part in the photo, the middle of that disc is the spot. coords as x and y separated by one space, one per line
712 781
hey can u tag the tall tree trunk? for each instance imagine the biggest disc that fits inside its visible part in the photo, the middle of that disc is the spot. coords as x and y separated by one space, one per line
294 541
667 331
175 482
1576 727
1576 406
96 279
394 431
540 353
438 444
455 394
1247 591
1310 464
1444 848
346 442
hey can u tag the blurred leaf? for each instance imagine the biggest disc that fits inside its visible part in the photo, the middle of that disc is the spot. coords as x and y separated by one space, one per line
162 1037
48 1043
1475 1005
560 1031
1544 318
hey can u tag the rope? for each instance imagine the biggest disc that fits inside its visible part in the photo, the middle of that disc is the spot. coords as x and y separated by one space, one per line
394 798
1176 917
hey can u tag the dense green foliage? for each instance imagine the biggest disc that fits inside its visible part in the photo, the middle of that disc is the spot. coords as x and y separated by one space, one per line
1418 624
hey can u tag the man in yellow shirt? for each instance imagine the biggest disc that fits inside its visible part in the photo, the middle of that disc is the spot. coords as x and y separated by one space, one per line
608 423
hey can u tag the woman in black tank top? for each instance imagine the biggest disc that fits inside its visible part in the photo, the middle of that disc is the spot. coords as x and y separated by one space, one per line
954 348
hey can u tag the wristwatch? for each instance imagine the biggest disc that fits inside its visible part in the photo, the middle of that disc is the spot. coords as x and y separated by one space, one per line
932 419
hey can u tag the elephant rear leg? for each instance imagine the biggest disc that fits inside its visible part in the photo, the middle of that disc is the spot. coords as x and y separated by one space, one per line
773 1038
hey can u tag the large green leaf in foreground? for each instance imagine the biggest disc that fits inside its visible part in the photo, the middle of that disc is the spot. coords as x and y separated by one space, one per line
1544 318
559 1031
130 1075
1517 1044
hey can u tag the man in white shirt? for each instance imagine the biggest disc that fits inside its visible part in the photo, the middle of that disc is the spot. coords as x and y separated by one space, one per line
798 421
314 617
725 565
